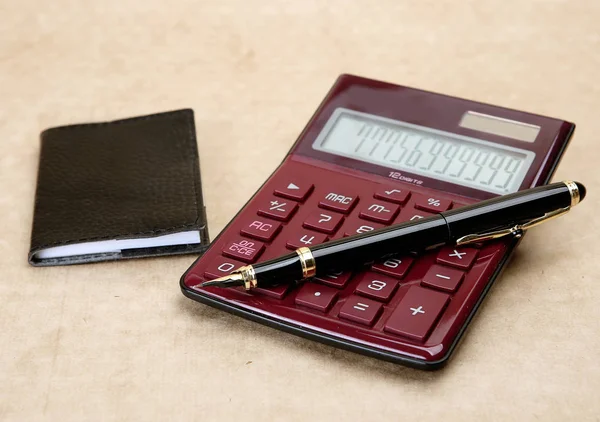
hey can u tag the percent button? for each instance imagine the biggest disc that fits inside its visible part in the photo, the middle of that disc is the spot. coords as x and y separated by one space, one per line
433 204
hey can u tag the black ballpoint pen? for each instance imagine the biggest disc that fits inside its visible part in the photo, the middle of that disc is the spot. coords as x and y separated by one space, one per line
508 215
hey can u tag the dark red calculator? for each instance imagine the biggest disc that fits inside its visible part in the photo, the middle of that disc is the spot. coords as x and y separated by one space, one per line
376 154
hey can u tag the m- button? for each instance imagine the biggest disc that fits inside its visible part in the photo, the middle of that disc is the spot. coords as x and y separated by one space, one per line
381 212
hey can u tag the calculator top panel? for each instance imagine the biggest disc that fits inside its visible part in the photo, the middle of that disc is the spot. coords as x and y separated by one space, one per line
451 125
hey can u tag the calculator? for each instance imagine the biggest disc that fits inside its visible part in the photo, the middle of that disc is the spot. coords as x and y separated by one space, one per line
372 155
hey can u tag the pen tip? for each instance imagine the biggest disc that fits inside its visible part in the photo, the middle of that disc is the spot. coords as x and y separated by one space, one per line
232 280
582 191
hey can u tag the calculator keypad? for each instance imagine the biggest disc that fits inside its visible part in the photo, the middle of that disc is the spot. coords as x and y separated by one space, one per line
410 300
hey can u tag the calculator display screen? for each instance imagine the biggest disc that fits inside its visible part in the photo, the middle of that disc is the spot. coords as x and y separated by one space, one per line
432 153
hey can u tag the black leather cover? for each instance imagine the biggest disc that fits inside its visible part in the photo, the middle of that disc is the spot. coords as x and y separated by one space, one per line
132 178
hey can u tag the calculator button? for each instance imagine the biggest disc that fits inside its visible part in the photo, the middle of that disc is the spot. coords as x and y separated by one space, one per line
360 226
443 278
316 296
306 239
338 201
411 214
337 279
261 229
432 204
381 212
457 257
376 286
277 292
361 310
416 313
278 208
244 250
294 189
394 267
220 267
392 194
326 222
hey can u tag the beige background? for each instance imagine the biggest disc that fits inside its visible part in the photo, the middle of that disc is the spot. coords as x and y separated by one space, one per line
118 341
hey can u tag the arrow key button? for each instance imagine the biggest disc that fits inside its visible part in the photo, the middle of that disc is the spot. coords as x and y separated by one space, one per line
294 189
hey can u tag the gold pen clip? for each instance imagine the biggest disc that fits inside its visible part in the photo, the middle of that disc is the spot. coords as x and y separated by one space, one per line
516 230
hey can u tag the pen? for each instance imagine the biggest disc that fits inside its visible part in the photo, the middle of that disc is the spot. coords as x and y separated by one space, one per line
508 215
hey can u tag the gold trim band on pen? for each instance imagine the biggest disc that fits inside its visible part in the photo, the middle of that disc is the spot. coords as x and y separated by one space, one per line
307 260
248 276
574 191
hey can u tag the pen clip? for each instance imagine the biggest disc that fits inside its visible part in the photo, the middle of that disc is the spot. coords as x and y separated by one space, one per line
516 230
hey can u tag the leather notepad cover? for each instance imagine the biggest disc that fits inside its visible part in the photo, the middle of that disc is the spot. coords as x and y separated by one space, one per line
122 189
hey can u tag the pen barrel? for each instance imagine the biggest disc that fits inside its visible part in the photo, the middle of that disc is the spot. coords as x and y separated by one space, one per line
357 251
507 210
279 270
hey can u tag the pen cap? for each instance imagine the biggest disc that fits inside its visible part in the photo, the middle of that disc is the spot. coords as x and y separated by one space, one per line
507 210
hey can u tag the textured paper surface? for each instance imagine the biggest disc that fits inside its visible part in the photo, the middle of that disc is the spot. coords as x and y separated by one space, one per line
117 341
